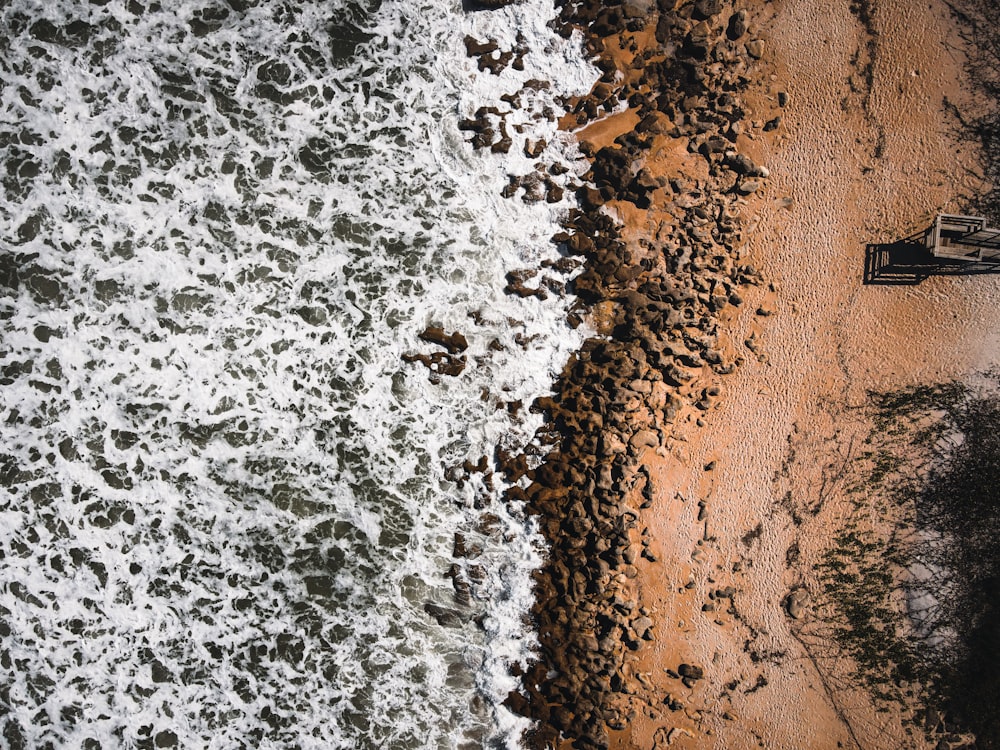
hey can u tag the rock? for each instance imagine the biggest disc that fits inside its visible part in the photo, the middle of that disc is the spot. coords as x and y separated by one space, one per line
455 343
463 591
445 616
483 137
737 25
772 124
698 41
707 8
690 671
638 8
642 626
672 703
515 284
655 123
755 48
534 149
746 187
474 48
487 4
643 439
741 164
590 198
439 362
503 145
713 145
495 64
795 602
664 28
609 21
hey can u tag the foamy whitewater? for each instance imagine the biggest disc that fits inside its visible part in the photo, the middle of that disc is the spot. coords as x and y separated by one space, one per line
224 496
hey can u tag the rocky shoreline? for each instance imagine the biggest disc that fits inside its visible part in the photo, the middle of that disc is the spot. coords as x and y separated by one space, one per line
665 624
655 285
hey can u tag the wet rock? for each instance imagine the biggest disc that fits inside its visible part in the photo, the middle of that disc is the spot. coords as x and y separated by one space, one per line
445 616
475 48
439 362
503 145
461 586
516 285
534 149
486 4
495 64
455 342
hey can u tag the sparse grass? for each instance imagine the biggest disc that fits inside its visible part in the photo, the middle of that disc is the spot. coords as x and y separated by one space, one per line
859 575
931 471
979 21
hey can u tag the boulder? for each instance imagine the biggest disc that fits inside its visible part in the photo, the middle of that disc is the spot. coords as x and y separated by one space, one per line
737 26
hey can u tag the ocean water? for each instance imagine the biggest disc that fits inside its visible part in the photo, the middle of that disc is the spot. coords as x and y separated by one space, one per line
224 496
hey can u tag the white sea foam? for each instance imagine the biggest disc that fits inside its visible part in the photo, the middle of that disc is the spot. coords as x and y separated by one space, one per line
224 506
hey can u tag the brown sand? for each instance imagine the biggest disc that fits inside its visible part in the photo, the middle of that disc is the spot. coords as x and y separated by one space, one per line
849 165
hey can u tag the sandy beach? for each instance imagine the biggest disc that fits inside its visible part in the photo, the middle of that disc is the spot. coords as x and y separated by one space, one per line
850 110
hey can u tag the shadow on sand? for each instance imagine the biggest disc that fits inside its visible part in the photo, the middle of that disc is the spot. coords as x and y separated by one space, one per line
908 262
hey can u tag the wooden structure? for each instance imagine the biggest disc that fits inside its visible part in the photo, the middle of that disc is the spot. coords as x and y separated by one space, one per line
963 238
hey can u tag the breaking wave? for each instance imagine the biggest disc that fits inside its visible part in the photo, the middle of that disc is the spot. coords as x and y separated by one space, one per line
225 508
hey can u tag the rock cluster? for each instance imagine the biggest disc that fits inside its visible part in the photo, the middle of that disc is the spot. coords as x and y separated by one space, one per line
659 296
662 296
449 362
